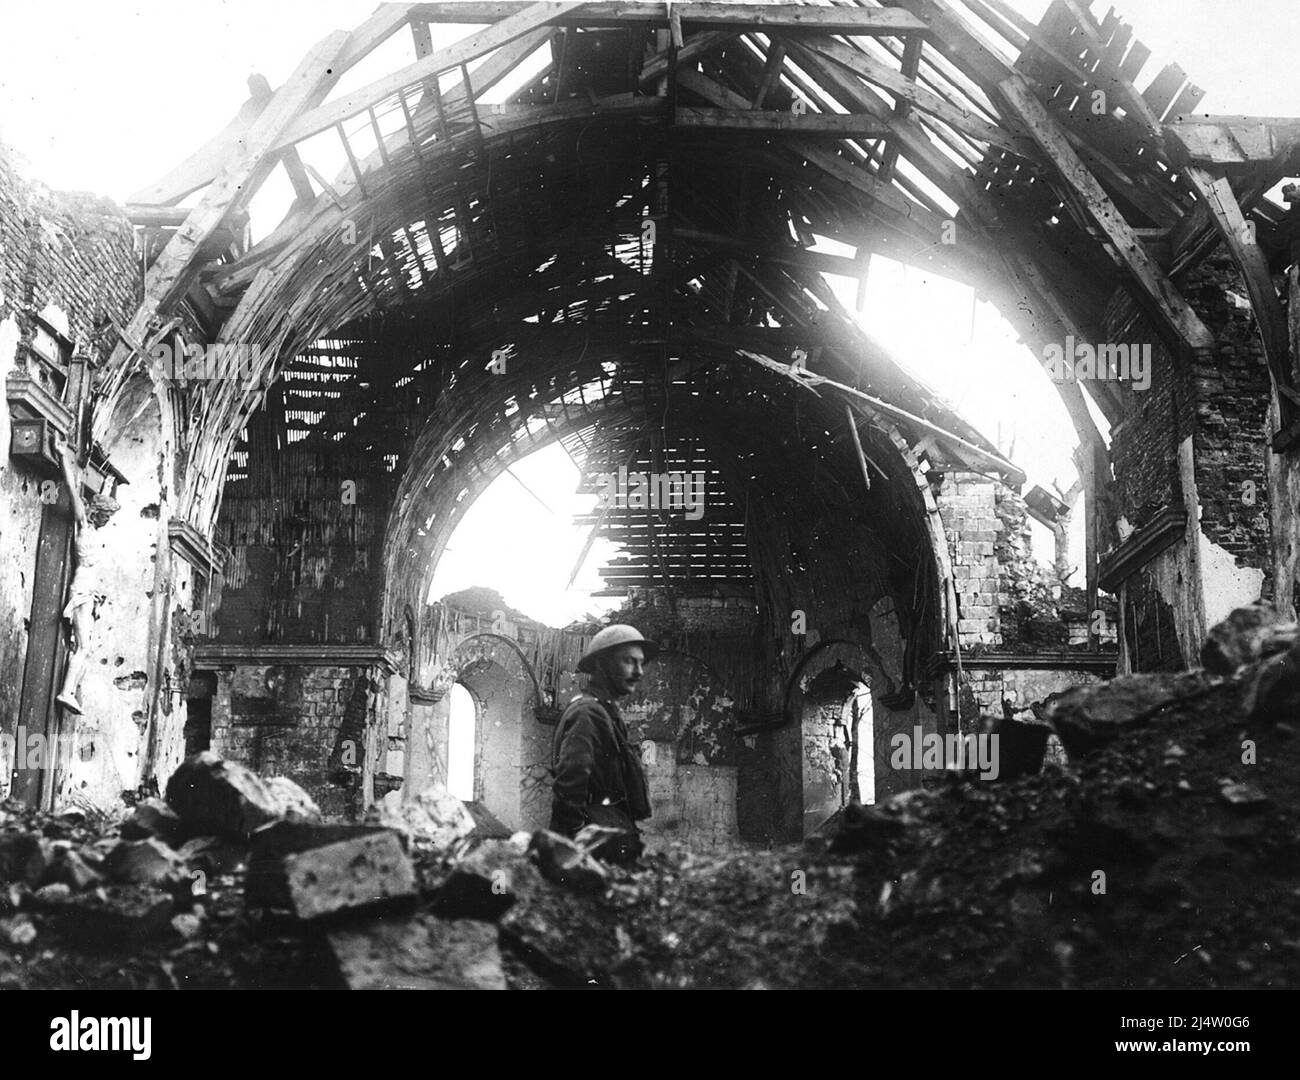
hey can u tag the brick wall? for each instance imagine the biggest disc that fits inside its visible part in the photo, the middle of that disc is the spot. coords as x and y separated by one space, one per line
285 720
1232 397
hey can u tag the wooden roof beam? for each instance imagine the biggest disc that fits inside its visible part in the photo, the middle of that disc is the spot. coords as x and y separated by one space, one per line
1235 140
1161 296
737 18
695 46
172 273
200 167
907 92
531 17
780 122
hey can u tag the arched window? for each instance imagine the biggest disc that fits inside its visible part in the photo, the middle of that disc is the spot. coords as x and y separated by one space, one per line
462 743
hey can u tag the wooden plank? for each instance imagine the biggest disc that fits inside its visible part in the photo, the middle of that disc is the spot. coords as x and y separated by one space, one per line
173 271
837 166
201 166
790 256
488 74
1191 97
1239 236
1108 73
909 68
1131 66
857 445
293 166
1233 140
1164 88
453 56
908 91
842 125
696 45
1127 249
740 18
771 74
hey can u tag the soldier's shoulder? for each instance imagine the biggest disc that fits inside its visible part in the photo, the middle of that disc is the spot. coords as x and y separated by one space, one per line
584 705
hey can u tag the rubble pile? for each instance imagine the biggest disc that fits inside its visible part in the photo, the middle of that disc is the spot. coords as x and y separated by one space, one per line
1167 853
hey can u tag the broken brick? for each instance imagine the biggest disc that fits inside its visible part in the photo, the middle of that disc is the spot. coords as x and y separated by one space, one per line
353 873
221 797
419 953
23 857
144 862
486 882
109 916
153 817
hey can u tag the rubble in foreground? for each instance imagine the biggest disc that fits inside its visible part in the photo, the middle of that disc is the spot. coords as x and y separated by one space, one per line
1166 855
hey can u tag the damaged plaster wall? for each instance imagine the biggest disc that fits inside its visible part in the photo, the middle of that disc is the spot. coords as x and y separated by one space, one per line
117 693
70 259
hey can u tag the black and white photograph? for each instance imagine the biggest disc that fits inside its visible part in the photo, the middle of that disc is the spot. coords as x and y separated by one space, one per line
641 495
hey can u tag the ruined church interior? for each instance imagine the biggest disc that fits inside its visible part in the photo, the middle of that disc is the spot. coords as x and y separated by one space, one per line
921 712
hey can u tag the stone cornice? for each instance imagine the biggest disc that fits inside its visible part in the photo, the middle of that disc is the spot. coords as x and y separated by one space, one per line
1161 532
210 656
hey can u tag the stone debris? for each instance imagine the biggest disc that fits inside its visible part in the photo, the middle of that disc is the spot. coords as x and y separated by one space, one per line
153 817
434 817
1273 689
858 828
1249 634
1155 794
486 824
294 804
564 937
214 854
360 872
564 862
221 798
144 862
485 883
419 953
23 857
69 867
105 917
1244 796
1086 718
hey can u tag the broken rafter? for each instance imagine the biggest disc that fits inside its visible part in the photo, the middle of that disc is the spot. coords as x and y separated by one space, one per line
1160 294
172 273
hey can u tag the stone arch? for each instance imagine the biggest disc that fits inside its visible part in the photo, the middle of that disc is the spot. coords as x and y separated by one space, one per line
510 743
820 685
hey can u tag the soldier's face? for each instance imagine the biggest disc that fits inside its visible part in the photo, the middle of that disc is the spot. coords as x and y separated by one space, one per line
624 668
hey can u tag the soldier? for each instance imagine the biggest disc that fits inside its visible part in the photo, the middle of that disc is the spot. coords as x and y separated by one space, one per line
599 779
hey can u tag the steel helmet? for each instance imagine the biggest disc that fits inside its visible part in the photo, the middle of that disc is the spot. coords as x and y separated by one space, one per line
611 638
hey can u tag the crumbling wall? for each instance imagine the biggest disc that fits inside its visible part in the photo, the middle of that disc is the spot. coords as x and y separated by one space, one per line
968 506
71 260
1231 438
1197 441
305 531
285 720
683 718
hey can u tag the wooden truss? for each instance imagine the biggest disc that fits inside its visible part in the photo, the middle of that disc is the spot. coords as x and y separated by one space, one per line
1021 158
